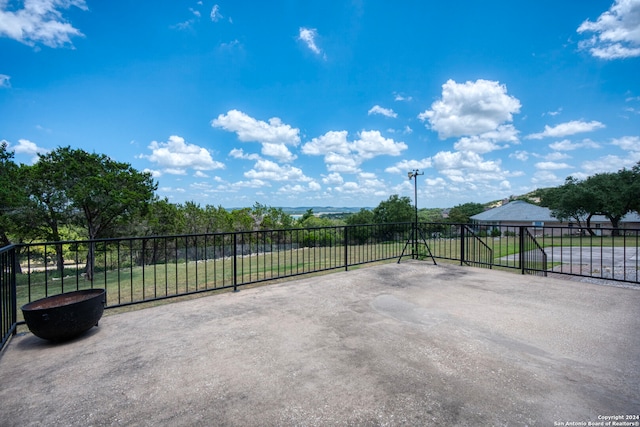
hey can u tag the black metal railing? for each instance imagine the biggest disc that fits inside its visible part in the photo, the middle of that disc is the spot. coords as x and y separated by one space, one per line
473 250
602 254
8 303
533 258
142 269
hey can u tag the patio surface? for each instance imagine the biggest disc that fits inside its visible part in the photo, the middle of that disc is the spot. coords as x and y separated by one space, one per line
409 344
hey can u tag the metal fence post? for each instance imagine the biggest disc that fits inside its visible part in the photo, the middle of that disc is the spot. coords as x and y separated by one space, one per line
462 244
235 262
521 249
14 290
346 248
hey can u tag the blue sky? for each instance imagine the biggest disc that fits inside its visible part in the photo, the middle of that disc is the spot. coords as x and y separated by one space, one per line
298 103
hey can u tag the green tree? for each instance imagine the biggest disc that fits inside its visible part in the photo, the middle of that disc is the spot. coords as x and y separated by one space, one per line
193 218
270 218
612 195
461 214
218 219
361 234
49 206
634 188
308 214
162 218
394 209
363 216
242 220
13 196
569 201
106 193
430 215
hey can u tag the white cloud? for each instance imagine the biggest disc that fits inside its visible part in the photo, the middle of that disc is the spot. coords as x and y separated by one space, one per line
488 141
30 148
545 178
40 21
238 153
268 170
372 144
176 155
628 143
523 156
566 145
551 166
400 97
233 44
308 36
330 142
200 174
460 160
470 108
616 32
274 136
215 13
556 155
314 186
332 179
154 173
467 171
249 129
4 81
387 112
343 156
503 133
341 163
568 128
408 165
279 151
367 185
298 189
175 171
476 144
553 113
610 163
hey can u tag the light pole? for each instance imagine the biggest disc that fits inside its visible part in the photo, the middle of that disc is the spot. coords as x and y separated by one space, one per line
414 174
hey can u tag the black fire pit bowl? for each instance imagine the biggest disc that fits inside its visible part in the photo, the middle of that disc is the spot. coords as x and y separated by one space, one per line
64 316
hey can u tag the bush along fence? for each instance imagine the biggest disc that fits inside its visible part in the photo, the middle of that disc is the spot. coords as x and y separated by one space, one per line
142 269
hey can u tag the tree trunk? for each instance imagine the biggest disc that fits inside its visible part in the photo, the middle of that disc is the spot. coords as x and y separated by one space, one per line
88 270
615 224
60 260
591 232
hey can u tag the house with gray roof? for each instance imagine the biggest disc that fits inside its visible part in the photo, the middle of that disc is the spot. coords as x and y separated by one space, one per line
520 213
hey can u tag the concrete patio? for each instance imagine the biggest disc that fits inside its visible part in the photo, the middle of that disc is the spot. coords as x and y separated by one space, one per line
409 344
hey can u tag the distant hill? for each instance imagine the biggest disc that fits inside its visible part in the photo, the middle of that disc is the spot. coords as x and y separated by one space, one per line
530 197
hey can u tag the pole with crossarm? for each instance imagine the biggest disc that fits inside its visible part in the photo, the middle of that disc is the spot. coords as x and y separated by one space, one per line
414 231
414 174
